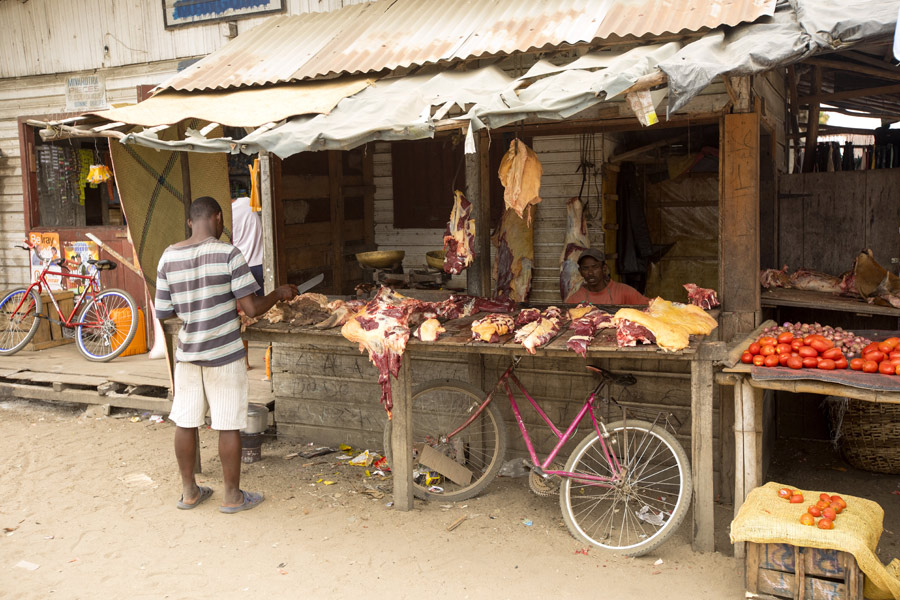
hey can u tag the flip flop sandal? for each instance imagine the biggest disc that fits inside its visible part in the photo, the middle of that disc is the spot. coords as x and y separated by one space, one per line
251 500
205 493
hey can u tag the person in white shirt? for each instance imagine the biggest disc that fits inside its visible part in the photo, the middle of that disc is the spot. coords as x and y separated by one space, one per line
246 228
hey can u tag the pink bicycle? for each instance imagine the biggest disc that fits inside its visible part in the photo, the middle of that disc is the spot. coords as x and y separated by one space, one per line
626 487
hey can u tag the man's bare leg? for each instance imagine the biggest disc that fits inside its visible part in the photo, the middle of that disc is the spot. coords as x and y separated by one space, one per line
185 454
230 455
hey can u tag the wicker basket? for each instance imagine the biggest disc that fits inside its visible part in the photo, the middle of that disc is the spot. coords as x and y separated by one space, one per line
868 434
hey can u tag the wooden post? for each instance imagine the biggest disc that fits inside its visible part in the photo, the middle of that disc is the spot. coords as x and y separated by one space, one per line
186 197
739 488
401 438
702 452
748 440
336 194
794 113
478 191
812 123
268 221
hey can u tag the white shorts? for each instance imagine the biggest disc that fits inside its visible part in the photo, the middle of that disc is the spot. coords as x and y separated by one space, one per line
222 390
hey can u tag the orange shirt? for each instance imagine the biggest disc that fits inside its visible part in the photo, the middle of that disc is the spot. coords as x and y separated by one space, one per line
614 293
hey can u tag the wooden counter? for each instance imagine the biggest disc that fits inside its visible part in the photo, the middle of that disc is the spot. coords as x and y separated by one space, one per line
823 301
698 357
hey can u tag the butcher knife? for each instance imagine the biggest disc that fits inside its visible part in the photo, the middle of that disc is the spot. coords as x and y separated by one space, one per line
310 284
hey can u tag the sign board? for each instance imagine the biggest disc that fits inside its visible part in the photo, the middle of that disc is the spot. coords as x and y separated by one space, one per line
85 92
178 13
46 246
77 255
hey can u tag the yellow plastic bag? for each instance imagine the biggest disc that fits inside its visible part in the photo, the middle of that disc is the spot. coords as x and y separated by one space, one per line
98 174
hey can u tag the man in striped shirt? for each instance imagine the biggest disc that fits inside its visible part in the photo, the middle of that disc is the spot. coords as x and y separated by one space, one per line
203 280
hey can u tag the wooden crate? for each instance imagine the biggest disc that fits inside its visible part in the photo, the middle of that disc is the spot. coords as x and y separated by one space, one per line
787 571
51 334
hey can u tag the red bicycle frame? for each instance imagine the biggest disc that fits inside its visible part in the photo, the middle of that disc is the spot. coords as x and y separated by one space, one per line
588 407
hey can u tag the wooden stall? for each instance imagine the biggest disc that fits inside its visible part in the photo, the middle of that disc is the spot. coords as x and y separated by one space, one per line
309 363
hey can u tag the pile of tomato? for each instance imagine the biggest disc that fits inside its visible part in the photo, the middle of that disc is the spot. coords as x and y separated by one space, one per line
826 509
817 352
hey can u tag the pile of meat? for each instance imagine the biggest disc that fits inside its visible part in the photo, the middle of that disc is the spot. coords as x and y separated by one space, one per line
702 297
382 327
586 322
668 324
540 331
459 238
309 309
532 327
867 280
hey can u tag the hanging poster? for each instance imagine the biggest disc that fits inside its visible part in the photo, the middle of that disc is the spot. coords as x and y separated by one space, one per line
47 248
77 256
178 13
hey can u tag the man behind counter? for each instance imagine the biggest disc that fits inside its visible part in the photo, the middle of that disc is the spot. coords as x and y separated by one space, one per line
598 287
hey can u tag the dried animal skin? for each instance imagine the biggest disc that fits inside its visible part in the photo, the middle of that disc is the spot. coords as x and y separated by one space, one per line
875 283
576 241
520 173
459 238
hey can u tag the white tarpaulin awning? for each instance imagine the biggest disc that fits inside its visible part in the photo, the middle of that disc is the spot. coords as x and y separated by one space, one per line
250 107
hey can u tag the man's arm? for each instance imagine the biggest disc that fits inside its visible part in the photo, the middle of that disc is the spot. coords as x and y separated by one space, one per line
253 305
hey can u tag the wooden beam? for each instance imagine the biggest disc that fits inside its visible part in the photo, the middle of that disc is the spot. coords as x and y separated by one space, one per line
186 198
336 194
816 97
268 221
702 455
401 438
646 82
630 154
368 170
839 65
812 124
794 110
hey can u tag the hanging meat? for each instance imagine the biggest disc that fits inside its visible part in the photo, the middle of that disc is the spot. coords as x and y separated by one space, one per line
670 323
490 328
537 333
586 327
576 242
702 297
459 238
520 173
515 256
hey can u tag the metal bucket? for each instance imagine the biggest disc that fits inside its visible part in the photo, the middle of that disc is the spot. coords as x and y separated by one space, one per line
251 447
257 418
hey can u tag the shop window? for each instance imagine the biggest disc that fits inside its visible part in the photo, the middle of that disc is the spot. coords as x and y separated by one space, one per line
59 192
425 175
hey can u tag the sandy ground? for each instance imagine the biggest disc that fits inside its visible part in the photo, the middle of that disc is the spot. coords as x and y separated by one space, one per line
87 505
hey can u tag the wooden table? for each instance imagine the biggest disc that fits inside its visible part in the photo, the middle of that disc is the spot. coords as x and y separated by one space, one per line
748 414
457 340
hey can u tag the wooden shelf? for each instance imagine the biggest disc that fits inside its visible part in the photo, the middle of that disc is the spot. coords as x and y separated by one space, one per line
823 301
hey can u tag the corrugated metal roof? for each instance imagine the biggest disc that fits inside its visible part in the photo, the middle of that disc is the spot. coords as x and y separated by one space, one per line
388 34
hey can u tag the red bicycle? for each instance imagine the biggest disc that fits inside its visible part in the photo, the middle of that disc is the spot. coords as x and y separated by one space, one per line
106 323
626 487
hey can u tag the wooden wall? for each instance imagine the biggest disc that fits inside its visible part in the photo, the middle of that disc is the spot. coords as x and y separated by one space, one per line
825 219
61 36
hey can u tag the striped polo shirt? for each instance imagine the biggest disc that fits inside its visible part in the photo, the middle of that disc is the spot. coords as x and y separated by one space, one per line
201 284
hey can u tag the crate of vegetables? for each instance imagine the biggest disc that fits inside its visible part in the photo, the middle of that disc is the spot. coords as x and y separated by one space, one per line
802 345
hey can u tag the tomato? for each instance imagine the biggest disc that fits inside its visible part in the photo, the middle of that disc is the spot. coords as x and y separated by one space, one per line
887 368
767 340
837 508
823 504
870 348
807 519
785 338
767 350
826 364
839 500
786 493
771 360
885 347
825 523
870 366
805 351
810 362
783 359
825 497
754 348
796 343
840 363
832 353
892 361
783 349
874 355
797 498
759 360
746 358
795 362
814 511
829 513
821 345
893 341
894 354
897 372
856 364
